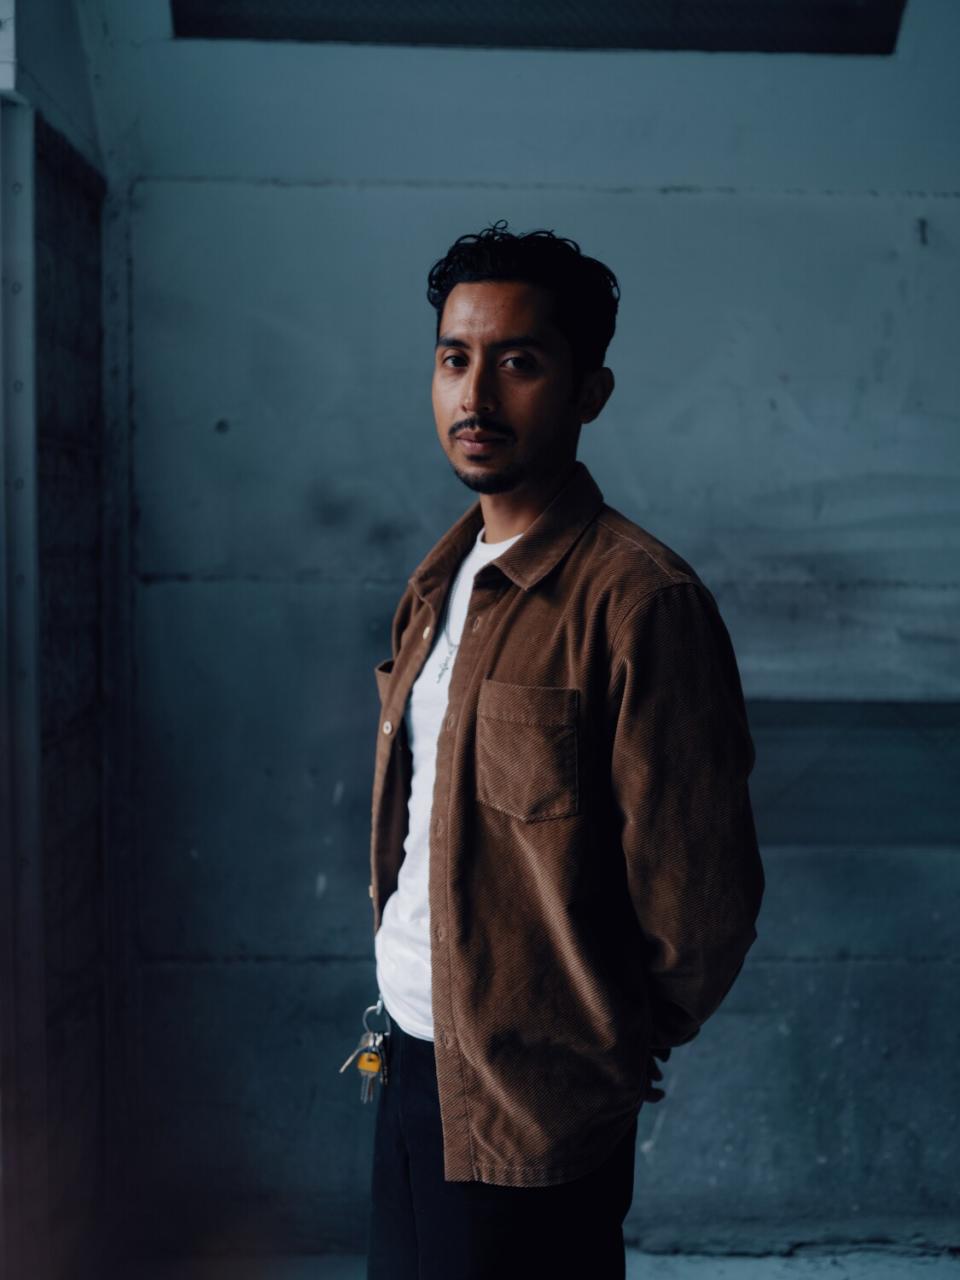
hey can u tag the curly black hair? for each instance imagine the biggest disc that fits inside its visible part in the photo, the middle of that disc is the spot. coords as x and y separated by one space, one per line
586 292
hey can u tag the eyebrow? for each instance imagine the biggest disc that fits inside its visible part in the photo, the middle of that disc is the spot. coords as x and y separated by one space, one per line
522 340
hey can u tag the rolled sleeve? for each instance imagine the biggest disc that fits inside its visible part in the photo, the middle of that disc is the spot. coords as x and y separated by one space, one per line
681 757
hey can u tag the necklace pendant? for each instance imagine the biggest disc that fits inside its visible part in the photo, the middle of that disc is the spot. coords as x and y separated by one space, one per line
443 666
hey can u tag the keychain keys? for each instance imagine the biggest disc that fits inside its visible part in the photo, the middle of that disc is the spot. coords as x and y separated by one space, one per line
370 1055
367 1040
371 1064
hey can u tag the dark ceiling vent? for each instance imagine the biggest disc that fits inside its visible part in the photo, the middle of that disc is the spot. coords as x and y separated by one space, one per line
715 26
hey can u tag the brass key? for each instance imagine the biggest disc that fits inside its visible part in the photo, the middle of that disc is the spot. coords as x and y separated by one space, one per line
370 1066
368 1039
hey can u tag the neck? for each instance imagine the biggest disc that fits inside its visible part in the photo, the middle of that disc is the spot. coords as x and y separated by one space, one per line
507 514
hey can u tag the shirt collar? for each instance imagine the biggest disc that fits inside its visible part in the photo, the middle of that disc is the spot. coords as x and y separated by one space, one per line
543 545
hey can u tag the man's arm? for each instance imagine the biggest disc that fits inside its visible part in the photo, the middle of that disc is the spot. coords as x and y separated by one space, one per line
681 756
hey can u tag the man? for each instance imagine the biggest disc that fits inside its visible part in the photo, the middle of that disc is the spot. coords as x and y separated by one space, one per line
565 868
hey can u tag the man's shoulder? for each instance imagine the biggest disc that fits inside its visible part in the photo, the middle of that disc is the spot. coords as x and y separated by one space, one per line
631 552
634 579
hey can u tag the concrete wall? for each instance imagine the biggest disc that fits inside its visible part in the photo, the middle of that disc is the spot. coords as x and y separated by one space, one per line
69 197
50 70
782 415
786 230
54 992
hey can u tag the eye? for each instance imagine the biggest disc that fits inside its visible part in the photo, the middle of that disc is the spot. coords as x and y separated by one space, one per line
451 356
521 362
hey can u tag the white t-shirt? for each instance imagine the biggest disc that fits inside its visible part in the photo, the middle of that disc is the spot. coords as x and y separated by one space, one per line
402 943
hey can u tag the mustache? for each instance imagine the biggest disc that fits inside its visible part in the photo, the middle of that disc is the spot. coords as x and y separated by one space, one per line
480 424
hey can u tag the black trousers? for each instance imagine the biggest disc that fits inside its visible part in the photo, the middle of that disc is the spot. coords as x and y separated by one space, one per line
424 1228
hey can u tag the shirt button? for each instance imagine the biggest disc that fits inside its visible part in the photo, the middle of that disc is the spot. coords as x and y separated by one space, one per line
426 633
451 720
440 932
438 826
387 727
447 1039
476 624
370 890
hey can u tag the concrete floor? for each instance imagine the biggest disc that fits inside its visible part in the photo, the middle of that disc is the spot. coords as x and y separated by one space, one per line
861 1264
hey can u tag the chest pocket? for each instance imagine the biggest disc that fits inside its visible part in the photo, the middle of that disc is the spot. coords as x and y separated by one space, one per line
527 750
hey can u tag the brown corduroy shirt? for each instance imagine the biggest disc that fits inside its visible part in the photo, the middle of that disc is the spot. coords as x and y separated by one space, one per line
594 871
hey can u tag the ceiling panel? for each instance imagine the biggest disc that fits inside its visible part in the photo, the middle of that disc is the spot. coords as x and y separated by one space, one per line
731 26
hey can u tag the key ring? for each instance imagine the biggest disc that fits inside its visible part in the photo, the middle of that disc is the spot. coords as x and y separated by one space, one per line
377 1008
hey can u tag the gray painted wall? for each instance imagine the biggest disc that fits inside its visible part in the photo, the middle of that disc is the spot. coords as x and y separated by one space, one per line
786 232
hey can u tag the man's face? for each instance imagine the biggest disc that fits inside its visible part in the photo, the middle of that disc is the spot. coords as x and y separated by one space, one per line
503 390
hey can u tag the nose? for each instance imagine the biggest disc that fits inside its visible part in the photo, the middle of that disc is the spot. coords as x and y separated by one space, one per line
478 389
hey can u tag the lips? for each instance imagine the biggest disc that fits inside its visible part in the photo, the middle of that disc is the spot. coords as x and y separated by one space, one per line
479 445
479 437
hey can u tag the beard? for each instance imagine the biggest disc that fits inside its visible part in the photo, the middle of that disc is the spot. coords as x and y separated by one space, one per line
490 482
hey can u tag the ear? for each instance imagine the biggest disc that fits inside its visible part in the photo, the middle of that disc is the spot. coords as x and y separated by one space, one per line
595 391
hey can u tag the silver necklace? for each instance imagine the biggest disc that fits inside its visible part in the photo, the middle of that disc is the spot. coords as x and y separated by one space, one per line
451 648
